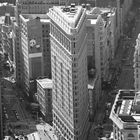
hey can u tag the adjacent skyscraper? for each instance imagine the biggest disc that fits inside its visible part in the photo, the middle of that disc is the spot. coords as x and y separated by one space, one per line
35 49
125 115
32 7
137 64
69 71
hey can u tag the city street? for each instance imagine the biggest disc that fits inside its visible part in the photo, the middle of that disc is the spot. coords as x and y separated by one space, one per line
14 111
124 79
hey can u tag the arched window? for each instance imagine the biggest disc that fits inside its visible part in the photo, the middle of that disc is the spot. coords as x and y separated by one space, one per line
130 135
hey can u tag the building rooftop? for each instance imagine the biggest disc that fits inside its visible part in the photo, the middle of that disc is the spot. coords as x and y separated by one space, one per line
48 130
45 83
69 18
43 132
70 13
6 4
2 19
126 107
42 17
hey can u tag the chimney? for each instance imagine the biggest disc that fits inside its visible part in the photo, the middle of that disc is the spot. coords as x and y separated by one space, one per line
83 5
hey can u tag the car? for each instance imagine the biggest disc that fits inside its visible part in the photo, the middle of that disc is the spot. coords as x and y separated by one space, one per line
16 114
108 105
21 99
107 112
6 116
4 109
17 117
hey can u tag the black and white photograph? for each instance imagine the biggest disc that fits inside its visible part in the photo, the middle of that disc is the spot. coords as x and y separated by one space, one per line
69 69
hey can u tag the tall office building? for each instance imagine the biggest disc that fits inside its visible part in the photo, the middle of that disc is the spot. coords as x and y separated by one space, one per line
69 71
6 33
44 98
137 64
17 53
1 115
125 115
29 7
101 26
35 49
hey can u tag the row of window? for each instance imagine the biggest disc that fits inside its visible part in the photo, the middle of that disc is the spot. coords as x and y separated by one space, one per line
62 127
60 37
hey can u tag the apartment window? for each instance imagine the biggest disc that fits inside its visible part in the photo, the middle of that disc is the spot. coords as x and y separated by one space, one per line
101 43
101 38
74 45
76 104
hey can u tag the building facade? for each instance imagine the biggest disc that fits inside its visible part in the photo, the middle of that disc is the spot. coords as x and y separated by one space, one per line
1 107
6 36
69 72
44 97
123 7
136 65
101 28
125 115
6 7
31 7
17 53
35 51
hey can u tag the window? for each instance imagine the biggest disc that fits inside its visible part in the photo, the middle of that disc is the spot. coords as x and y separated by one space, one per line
74 45
101 38
76 115
130 135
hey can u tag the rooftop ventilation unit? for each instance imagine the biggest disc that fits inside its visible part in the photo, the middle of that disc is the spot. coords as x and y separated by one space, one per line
88 6
72 5
73 10
66 9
